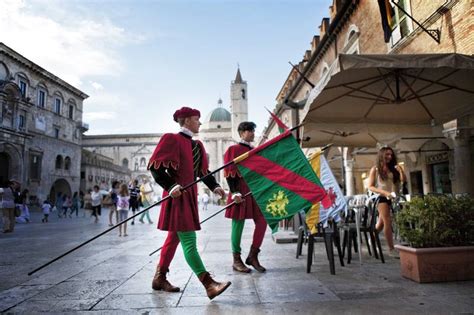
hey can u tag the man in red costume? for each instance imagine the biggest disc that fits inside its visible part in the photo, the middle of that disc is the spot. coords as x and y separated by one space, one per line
243 209
178 160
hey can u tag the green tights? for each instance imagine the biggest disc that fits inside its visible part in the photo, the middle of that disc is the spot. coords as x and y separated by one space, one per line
236 237
189 244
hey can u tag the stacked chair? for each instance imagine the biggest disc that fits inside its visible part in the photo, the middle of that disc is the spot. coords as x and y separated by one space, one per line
330 234
367 207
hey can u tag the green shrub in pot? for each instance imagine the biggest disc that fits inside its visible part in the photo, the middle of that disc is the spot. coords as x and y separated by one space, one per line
437 221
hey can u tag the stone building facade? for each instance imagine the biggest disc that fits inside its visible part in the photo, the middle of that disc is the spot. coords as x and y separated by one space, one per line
441 162
129 151
97 169
40 127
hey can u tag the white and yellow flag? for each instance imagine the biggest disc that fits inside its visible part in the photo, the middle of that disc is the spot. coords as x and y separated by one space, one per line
318 213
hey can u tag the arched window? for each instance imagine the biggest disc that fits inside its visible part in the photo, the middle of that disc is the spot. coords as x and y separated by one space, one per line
125 163
67 163
3 71
142 162
351 42
59 162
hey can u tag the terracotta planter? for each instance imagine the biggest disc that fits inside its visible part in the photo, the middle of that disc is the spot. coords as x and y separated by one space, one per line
438 264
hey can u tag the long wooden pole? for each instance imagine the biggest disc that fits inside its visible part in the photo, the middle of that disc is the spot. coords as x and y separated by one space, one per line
126 220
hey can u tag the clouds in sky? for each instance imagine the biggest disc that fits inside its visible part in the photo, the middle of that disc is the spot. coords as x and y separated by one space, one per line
64 42
139 60
67 40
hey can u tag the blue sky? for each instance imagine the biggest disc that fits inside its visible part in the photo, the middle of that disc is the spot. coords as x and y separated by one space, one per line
140 60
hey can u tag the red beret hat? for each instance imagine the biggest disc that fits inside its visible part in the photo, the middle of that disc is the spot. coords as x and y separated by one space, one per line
184 112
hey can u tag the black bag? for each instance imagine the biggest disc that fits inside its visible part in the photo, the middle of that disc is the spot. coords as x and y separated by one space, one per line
17 197
17 211
405 188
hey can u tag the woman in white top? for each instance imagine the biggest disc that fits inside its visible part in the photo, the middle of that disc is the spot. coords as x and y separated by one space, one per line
386 179
96 202
123 203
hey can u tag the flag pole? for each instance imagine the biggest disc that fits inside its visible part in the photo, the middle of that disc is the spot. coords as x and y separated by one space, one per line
128 219
318 153
209 217
97 236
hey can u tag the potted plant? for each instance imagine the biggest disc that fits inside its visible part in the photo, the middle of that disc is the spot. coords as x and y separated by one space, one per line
439 236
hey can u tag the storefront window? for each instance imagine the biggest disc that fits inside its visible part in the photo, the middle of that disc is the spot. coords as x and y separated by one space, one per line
440 178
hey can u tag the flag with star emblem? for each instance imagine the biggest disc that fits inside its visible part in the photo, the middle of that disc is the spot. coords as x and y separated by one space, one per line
281 179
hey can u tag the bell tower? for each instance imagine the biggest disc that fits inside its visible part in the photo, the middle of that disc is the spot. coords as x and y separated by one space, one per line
238 103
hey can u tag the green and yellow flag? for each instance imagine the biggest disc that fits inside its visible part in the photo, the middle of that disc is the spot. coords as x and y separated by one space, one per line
281 179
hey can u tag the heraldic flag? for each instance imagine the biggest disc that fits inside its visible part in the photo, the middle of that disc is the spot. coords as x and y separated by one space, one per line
318 212
281 179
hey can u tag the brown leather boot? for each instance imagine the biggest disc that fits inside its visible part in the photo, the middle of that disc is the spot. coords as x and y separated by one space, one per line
213 288
252 259
160 282
239 264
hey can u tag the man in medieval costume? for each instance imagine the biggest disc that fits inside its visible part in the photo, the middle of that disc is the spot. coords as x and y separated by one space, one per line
178 160
243 209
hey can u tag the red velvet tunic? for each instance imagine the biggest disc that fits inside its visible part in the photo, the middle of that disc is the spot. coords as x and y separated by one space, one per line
248 209
175 151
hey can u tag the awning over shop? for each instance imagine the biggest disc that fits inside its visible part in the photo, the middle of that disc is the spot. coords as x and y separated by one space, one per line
375 98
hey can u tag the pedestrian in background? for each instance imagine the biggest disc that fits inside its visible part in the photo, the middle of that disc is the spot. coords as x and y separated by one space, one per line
67 205
134 190
146 197
7 204
46 208
113 207
23 207
59 203
96 202
123 204
81 199
75 204
205 201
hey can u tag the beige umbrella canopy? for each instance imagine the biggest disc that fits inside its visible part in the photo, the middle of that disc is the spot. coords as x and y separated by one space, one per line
373 98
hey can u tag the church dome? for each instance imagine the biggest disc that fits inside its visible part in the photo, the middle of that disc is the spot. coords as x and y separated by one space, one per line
219 114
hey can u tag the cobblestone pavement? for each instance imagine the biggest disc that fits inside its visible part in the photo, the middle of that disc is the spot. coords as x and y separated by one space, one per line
112 275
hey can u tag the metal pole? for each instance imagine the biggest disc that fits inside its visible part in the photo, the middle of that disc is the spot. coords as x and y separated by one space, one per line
126 220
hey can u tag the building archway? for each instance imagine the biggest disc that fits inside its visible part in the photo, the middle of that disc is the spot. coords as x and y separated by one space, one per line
4 167
125 163
60 186
11 163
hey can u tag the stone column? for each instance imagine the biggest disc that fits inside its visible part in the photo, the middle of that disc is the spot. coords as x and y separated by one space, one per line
348 168
425 174
461 178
